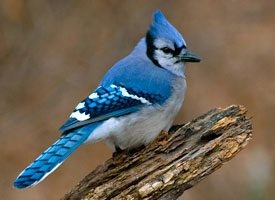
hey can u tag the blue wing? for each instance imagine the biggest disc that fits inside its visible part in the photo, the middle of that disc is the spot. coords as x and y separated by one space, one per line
106 102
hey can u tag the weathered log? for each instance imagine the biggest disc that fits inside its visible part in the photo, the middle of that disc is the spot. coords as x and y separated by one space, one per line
173 163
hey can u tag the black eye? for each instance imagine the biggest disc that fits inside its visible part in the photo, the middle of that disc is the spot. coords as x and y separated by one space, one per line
167 50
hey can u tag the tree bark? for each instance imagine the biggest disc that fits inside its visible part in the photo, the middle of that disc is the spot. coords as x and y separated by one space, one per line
173 163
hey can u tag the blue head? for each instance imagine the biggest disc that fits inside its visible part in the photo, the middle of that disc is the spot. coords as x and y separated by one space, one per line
166 46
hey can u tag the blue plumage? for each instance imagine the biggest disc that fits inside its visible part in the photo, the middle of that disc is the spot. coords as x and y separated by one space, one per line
161 28
106 102
136 99
52 157
137 72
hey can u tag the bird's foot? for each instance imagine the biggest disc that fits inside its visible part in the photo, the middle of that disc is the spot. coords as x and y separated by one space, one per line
175 127
118 151
133 151
126 152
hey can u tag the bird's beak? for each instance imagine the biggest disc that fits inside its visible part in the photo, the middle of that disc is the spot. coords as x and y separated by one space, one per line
190 57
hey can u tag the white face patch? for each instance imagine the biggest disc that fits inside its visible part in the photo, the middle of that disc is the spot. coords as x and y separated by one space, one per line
170 64
80 116
167 60
164 59
161 43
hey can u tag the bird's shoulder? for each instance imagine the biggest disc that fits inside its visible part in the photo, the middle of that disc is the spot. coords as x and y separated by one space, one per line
131 84
140 73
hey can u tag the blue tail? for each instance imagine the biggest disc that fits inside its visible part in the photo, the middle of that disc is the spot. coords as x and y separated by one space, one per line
54 156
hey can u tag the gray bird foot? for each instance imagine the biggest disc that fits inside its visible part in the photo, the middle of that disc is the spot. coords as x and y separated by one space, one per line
175 127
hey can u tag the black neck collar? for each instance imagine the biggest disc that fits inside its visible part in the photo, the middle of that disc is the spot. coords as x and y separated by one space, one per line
151 48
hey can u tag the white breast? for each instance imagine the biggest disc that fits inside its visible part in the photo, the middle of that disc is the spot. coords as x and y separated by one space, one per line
141 128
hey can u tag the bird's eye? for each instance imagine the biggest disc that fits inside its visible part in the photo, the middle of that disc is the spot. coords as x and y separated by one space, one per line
167 50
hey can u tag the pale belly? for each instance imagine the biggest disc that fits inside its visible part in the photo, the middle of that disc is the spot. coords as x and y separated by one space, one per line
133 130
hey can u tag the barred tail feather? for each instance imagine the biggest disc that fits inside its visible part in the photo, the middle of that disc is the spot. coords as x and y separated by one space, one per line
53 157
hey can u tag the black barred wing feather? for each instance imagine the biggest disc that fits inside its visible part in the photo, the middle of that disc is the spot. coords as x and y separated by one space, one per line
107 102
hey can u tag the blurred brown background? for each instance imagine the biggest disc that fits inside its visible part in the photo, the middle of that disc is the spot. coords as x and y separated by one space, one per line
53 53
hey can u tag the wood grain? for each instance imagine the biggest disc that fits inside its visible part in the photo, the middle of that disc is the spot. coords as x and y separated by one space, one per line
174 162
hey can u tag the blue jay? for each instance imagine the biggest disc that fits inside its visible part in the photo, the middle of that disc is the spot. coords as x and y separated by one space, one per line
136 99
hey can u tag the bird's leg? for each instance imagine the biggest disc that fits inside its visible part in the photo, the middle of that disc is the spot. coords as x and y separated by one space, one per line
126 152
118 151
137 149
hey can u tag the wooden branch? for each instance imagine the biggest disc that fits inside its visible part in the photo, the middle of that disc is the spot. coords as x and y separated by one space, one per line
173 163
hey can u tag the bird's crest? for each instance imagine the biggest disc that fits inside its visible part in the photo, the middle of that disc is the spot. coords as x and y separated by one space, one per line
161 28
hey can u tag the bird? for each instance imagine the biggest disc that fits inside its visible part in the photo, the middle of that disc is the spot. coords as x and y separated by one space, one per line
136 99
